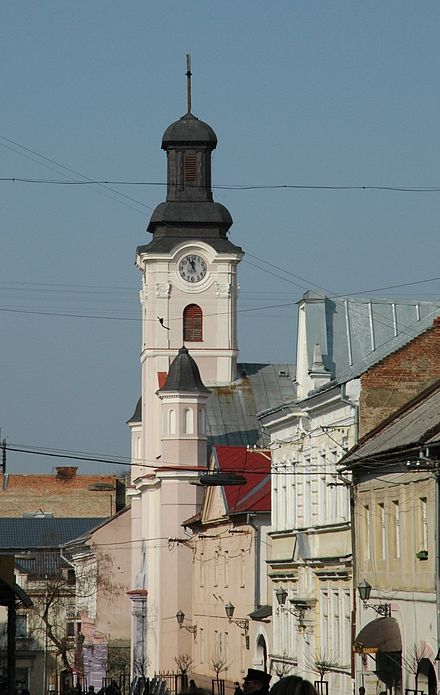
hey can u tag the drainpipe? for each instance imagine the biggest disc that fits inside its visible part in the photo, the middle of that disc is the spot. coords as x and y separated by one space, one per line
257 559
355 408
354 573
437 553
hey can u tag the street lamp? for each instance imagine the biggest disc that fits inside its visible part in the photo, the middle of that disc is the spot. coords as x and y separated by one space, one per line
299 610
383 609
281 595
243 623
180 617
221 478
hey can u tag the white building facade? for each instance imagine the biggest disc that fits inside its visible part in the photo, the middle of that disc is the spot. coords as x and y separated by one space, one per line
338 339
311 537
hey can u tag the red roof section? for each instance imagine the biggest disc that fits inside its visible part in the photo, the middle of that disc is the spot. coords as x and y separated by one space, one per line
162 379
255 495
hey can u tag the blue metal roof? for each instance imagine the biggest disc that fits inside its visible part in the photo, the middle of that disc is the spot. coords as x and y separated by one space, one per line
35 533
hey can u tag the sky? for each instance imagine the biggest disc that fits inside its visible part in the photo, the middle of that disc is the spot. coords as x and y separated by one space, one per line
339 100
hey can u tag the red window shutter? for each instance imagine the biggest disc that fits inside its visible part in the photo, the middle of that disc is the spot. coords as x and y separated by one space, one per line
190 168
193 323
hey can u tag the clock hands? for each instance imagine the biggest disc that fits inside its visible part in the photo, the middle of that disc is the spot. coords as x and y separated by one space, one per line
192 268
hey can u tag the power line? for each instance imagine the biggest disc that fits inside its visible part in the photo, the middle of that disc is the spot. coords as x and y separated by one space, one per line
138 319
72 171
96 458
16 286
224 187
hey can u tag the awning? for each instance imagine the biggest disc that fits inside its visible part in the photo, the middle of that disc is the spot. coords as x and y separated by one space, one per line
13 589
381 635
262 613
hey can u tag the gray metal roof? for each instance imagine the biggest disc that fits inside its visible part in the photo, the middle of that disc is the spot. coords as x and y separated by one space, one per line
355 333
232 410
417 423
26 534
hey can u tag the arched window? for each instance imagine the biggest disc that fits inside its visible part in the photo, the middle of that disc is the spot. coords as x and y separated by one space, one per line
172 422
189 426
193 323
201 421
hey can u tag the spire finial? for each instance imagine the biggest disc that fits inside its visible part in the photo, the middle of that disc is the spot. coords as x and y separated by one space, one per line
188 80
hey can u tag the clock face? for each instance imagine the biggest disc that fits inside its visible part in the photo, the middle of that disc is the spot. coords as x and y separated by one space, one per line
192 268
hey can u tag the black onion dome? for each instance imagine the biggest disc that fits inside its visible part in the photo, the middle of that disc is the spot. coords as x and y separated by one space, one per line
189 130
190 213
184 375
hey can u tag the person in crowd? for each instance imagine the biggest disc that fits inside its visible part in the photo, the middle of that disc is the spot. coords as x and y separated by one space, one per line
293 685
256 681
238 690
192 685
196 691
113 688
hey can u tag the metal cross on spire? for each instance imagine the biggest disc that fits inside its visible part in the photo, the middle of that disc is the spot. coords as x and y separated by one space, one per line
188 80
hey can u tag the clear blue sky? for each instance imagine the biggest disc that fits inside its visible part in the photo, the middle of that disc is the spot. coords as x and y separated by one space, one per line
303 93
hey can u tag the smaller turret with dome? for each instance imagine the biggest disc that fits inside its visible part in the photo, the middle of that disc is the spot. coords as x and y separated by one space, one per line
184 375
189 210
183 401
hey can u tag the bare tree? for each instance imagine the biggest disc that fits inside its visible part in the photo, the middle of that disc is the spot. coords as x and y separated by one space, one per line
184 663
118 658
411 661
48 617
281 667
218 664
59 599
324 662
140 667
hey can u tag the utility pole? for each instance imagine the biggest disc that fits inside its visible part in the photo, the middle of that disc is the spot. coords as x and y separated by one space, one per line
3 463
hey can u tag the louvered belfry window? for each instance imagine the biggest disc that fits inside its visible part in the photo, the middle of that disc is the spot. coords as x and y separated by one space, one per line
190 168
193 323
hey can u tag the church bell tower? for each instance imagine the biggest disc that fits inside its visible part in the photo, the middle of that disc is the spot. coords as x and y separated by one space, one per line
189 326
189 274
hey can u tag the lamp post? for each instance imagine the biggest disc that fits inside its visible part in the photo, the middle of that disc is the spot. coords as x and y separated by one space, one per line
382 609
281 595
243 623
219 478
180 617
299 610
